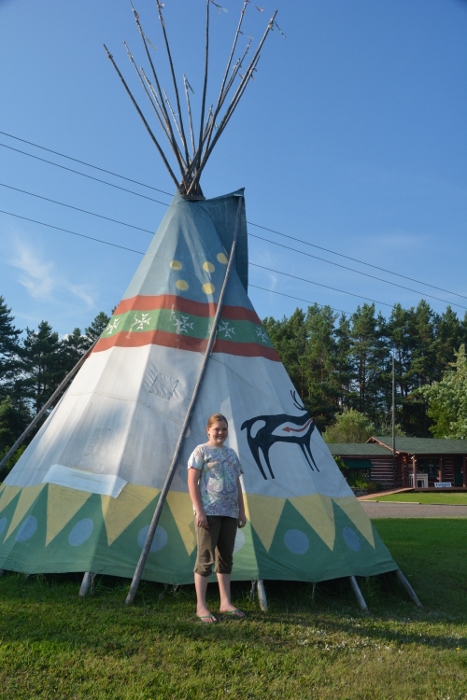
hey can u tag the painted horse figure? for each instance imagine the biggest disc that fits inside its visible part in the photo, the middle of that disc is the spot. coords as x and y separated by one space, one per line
264 431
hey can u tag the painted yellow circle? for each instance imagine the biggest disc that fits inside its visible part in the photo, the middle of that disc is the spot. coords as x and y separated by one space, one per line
208 266
181 284
208 288
176 265
222 258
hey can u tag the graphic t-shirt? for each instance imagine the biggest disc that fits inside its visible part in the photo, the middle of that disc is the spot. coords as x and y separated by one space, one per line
219 470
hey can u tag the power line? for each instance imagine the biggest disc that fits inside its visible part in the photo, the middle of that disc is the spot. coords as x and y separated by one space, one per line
89 177
139 252
320 284
83 162
138 228
83 211
264 228
358 272
289 296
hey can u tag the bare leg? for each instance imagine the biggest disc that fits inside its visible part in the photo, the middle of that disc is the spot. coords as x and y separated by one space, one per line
201 585
224 591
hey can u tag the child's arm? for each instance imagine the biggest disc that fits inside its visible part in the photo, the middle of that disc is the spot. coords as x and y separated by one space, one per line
241 505
195 495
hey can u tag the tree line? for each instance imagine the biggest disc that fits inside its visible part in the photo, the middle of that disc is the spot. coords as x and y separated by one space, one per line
339 364
33 364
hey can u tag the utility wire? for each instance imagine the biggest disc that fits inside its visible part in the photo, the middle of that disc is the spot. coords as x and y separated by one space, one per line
319 284
83 162
289 296
83 211
89 177
264 228
139 252
281 245
358 272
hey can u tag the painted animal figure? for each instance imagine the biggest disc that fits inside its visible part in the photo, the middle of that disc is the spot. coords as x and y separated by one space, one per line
264 431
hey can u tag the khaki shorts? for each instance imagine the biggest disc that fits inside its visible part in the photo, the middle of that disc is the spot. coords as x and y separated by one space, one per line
215 545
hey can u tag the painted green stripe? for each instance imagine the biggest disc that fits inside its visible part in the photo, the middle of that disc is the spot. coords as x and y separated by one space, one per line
186 325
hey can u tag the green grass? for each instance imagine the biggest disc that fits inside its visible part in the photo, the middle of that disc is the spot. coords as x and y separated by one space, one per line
312 644
422 497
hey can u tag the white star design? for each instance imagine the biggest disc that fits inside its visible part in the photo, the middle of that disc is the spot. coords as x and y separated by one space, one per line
182 323
140 322
228 331
113 326
262 335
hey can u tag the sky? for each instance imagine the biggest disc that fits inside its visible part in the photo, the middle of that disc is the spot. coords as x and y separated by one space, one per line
350 142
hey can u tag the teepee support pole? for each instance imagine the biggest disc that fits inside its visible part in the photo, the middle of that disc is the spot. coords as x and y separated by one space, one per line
174 79
358 593
143 118
408 588
46 406
171 139
262 599
199 160
87 583
173 466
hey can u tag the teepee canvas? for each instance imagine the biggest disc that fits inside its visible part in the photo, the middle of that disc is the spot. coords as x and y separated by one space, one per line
83 495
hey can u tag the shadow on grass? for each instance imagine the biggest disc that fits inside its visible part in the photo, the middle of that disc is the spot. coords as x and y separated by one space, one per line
40 609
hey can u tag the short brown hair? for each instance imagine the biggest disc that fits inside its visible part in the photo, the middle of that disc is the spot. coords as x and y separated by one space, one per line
216 418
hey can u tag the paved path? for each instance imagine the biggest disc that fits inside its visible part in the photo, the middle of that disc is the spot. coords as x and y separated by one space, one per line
389 509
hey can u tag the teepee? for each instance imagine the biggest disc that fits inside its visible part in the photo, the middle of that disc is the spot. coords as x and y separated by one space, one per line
102 487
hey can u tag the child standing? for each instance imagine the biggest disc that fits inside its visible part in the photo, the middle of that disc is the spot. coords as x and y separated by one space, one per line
214 484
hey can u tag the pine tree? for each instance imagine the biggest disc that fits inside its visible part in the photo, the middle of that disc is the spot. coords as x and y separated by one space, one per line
9 349
42 366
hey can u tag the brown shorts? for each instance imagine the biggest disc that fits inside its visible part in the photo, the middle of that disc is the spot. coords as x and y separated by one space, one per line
215 545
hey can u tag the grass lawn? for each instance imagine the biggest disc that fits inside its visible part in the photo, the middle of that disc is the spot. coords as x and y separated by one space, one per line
312 644
441 497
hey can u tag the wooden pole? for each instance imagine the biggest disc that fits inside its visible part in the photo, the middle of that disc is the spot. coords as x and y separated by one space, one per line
173 466
46 406
408 588
358 593
262 599
174 80
155 141
87 583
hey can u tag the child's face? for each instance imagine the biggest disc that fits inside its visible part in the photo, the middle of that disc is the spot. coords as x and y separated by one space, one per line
217 433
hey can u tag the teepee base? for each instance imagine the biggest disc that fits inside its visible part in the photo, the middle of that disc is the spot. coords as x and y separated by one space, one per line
87 584
408 588
358 593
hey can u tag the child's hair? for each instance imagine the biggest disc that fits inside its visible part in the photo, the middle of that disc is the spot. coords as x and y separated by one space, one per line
216 418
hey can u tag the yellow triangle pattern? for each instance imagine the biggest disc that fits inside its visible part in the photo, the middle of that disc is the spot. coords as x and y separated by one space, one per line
121 511
264 513
7 495
26 498
318 512
354 511
182 511
62 504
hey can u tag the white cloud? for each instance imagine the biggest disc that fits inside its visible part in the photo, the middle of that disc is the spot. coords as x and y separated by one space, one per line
41 278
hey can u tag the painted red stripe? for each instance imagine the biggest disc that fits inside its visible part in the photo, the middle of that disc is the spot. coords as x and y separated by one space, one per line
183 342
187 306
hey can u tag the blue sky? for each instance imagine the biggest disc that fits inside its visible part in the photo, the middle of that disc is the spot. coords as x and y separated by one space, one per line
352 139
